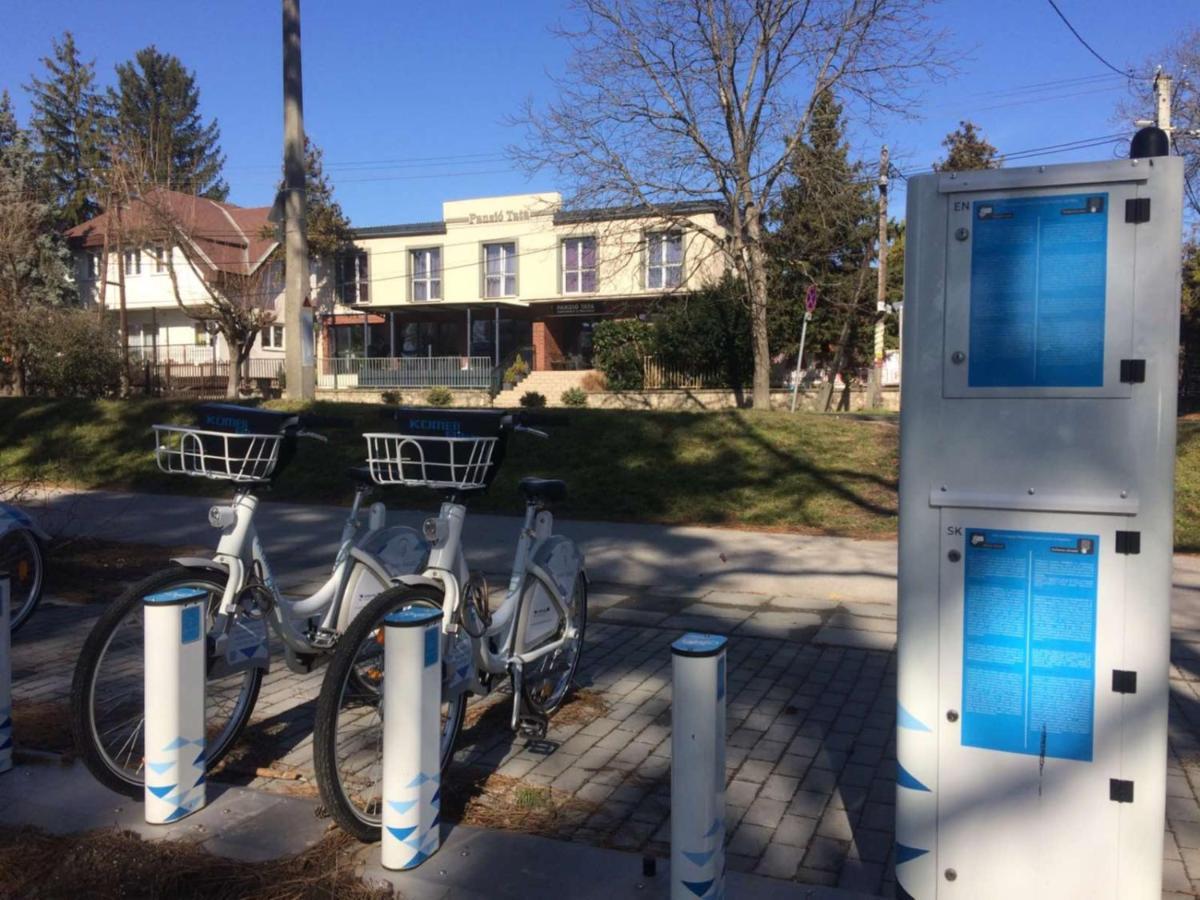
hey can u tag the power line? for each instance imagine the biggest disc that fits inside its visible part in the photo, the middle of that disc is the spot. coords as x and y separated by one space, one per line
1089 47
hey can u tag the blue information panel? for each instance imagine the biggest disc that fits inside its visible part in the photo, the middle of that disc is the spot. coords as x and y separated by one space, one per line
1038 273
1029 642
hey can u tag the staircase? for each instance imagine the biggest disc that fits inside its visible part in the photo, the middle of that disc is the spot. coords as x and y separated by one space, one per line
550 384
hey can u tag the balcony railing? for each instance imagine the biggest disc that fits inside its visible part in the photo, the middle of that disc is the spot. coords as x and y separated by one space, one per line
367 373
184 354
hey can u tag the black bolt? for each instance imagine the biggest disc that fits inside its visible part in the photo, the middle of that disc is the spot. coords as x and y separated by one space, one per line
951 874
951 716
954 556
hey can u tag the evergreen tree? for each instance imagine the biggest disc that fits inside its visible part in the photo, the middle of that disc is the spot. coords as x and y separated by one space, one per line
157 109
328 226
68 124
824 232
33 260
966 148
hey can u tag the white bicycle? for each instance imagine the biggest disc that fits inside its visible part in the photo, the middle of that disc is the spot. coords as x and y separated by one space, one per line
247 447
534 636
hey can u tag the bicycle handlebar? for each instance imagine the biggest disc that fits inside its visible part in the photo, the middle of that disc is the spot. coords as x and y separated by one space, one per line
532 417
308 420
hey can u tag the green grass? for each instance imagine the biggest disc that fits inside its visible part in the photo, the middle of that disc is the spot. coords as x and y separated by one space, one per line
803 472
1187 487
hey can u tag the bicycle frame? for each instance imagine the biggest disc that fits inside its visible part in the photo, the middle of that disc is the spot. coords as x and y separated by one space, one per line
448 568
308 625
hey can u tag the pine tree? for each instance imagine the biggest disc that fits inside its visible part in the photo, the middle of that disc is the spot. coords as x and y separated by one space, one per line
825 229
966 148
157 109
68 126
327 225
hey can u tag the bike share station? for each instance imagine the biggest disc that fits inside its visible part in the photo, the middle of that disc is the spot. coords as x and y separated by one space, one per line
1036 511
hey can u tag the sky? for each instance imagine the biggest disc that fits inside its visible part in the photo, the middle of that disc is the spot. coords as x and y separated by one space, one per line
411 100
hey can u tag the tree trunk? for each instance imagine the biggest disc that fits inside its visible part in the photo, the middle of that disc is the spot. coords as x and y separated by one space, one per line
839 361
757 277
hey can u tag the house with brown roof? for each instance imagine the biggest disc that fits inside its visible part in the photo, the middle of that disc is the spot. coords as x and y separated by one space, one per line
129 245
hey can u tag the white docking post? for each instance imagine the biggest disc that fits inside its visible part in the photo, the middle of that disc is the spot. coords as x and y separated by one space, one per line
412 701
698 767
174 625
6 743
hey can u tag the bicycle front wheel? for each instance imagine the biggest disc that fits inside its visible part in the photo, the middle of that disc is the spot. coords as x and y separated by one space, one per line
21 558
348 737
108 691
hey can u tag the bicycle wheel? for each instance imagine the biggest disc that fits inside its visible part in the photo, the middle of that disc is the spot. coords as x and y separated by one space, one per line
107 693
547 680
348 737
21 558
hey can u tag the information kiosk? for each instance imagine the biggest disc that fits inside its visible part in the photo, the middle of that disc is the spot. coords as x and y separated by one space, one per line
1037 439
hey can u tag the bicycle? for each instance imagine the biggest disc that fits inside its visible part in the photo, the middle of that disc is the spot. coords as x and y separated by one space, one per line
534 636
22 556
248 447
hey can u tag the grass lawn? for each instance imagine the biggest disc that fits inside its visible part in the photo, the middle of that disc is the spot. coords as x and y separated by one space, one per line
803 472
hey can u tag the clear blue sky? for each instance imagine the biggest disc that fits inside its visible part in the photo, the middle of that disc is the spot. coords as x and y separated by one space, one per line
409 99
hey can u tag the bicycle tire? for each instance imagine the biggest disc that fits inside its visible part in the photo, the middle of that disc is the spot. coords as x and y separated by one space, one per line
84 727
24 541
340 671
547 704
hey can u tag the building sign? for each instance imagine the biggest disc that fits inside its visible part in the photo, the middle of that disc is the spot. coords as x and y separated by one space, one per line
500 215
576 309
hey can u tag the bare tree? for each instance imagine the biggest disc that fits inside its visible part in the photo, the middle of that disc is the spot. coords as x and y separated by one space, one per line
669 100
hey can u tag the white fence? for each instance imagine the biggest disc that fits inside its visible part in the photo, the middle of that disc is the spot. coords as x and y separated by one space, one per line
382 373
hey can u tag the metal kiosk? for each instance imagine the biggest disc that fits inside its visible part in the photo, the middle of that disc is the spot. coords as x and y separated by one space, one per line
1036 486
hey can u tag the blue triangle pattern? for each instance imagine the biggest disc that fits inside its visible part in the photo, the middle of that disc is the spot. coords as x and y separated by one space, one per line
437 820
905 779
905 719
179 813
700 859
161 791
199 760
6 743
176 744
160 768
417 859
7 723
401 833
716 826
199 781
699 888
402 806
906 854
437 796
431 841
418 781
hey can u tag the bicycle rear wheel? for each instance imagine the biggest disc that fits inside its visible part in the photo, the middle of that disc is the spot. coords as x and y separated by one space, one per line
348 737
21 558
547 680
108 690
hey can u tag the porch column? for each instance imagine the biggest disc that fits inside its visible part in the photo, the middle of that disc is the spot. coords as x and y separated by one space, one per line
468 353
392 330
366 333
496 334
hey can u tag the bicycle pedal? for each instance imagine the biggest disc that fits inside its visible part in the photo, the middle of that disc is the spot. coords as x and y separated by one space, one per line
324 639
533 727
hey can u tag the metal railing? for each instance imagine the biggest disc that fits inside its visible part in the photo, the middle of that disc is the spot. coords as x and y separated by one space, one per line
184 354
657 377
373 373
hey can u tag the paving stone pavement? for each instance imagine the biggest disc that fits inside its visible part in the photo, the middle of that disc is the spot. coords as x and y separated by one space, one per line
810 755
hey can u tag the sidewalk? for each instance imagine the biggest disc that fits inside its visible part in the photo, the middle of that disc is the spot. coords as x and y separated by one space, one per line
811 709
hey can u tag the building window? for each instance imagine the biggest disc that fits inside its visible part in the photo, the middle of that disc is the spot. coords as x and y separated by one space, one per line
201 336
500 270
664 259
90 266
579 265
352 278
272 337
160 258
133 262
427 274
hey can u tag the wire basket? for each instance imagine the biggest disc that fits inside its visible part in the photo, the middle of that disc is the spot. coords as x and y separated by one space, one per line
220 455
456 463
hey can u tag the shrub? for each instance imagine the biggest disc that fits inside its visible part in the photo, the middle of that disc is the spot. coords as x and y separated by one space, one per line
574 397
593 382
70 353
439 396
618 347
707 335
514 373
391 398
533 400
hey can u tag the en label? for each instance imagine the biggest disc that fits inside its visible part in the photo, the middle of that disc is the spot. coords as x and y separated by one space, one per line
1038 275
1029 642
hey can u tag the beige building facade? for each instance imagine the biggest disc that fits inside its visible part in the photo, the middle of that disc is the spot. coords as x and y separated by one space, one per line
503 276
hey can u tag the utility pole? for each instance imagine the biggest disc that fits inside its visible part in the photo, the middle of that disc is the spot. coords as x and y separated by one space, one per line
1162 101
875 379
297 312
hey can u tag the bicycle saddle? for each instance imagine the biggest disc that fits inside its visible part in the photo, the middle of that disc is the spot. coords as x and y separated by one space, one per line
549 489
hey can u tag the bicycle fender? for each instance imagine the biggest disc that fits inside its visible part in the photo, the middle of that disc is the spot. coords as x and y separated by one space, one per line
415 580
12 518
560 558
200 562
